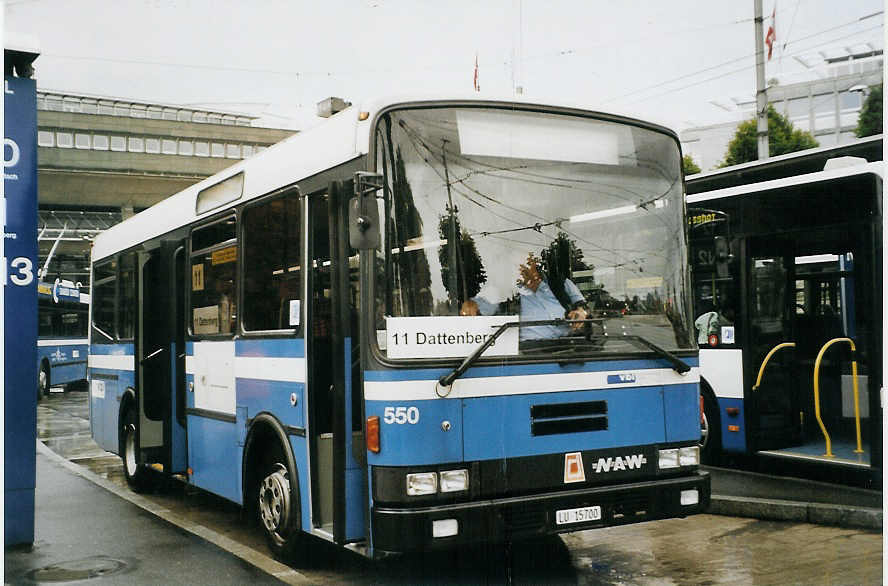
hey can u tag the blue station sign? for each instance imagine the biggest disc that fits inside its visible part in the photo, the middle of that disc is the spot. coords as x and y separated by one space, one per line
20 307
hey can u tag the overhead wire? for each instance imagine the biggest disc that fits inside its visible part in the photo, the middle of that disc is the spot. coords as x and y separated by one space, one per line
417 140
741 58
744 68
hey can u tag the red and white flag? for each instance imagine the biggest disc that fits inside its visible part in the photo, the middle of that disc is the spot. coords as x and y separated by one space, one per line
475 78
771 35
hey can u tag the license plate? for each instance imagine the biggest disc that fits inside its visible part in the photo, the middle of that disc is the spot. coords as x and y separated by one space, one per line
581 515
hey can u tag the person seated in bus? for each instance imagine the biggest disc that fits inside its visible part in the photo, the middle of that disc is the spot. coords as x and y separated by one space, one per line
226 307
552 297
710 323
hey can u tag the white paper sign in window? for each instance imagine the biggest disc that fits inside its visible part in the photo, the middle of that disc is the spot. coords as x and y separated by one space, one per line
727 335
294 312
448 337
206 320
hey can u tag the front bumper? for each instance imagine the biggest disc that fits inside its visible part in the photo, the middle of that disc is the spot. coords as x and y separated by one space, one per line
403 530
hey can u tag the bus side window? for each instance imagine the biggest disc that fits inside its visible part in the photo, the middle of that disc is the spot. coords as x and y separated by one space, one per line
104 302
213 278
272 264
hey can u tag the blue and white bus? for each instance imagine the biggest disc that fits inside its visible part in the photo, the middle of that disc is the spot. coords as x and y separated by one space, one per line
63 321
292 334
788 290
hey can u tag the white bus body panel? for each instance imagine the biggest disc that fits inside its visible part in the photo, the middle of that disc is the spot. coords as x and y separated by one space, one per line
723 370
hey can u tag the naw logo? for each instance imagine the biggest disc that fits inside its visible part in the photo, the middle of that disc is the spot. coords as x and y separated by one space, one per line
632 462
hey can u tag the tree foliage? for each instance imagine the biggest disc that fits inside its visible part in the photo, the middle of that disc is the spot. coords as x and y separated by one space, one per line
782 138
870 121
470 274
689 166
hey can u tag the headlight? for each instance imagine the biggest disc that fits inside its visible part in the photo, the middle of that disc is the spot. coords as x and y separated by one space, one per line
454 480
668 459
422 483
689 456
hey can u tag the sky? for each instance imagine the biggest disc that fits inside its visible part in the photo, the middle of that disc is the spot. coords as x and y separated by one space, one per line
672 62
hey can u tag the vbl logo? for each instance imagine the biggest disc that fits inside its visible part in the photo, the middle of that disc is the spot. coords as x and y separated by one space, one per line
621 379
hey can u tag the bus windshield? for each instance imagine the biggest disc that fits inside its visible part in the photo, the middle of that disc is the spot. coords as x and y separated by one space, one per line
571 225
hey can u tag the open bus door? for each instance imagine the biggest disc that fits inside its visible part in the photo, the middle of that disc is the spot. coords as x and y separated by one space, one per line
159 357
800 301
776 399
335 399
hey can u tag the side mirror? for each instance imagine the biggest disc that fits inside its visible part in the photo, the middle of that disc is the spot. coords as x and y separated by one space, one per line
363 213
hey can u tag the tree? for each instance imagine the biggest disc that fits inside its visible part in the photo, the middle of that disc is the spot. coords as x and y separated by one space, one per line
782 139
689 166
870 121
470 274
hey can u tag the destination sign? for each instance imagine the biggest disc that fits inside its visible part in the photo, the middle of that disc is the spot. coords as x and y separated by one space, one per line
448 336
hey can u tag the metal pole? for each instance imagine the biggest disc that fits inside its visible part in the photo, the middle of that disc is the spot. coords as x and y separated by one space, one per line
761 92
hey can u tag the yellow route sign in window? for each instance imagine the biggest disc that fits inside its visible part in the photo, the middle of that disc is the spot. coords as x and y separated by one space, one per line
224 255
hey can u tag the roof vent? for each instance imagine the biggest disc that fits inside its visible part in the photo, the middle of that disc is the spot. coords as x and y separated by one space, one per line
330 106
839 162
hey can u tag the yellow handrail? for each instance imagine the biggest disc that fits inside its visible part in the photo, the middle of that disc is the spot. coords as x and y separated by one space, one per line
774 350
859 449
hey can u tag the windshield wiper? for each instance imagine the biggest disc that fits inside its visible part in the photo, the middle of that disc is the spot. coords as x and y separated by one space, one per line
447 379
678 365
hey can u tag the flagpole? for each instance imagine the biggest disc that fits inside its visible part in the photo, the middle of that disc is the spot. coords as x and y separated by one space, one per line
761 92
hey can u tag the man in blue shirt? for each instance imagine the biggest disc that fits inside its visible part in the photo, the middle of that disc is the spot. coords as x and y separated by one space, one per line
538 302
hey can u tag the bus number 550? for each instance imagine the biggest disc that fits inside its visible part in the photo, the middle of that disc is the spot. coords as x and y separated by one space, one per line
401 415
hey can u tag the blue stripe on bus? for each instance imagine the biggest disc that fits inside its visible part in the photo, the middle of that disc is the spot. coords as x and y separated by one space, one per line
124 349
490 428
732 441
270 347
273 397
521 369
214 457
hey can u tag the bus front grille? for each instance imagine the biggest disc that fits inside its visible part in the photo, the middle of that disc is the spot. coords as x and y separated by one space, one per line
562 418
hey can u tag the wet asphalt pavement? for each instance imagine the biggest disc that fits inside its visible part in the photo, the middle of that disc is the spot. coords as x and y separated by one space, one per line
705 549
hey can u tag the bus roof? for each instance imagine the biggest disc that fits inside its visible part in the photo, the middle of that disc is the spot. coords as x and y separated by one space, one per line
337 140
788 165
806 178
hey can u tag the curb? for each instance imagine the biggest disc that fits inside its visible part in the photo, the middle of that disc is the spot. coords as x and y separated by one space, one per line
251 556
804 512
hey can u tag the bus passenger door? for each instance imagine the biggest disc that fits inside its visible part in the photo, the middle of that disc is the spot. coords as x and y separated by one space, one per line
159 356
335 407
777 400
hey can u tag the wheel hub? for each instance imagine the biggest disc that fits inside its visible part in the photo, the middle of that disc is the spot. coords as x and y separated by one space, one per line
704 431
274 499
130 450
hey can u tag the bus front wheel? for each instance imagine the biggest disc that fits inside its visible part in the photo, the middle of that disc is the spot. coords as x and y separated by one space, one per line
710 428
276 509
138 476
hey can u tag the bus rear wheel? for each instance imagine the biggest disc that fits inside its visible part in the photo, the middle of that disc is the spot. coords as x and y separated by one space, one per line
138 476
276 510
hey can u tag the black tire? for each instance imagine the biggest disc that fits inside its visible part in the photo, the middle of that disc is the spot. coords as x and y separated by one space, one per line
710 428
277 506
138 476
43 381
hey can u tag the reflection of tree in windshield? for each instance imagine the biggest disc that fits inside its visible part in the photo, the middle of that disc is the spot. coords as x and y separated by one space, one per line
470 274
405 223
559 261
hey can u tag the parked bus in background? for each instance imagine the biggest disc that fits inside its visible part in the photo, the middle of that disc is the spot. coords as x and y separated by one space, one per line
368 333
63 321
788 292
